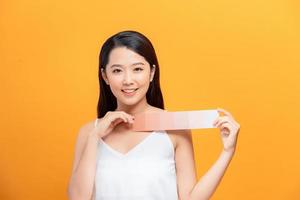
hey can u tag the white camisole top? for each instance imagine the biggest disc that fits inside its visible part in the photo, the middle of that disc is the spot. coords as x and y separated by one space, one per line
146 172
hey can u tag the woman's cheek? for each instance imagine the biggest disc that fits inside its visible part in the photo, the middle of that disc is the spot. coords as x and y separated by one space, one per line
116 82
144 79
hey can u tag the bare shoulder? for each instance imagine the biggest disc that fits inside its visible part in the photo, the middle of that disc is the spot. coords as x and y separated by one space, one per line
82 136
86 128
180 137
82 133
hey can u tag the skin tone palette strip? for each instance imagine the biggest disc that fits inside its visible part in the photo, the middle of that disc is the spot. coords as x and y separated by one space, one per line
156 121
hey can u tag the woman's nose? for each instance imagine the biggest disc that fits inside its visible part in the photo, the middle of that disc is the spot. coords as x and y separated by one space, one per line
128 78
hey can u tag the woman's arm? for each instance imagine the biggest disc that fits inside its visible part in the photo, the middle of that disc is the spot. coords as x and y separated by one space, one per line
208 183
206 186
81 183
185 163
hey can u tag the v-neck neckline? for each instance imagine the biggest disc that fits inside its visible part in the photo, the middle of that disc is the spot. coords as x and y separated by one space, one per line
118 153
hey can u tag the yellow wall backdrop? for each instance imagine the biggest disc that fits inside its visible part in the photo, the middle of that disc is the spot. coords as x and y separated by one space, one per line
242 56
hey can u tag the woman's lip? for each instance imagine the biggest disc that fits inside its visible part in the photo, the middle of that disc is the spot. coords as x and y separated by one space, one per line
124 90
130 93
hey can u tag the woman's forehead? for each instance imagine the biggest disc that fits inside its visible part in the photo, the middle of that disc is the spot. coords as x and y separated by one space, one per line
125 56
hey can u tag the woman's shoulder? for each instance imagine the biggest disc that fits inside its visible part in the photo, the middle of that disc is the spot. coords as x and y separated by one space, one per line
87 126
90 124
179 136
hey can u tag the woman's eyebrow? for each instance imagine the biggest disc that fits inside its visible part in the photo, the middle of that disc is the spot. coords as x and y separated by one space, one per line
138 63
116 65
134 64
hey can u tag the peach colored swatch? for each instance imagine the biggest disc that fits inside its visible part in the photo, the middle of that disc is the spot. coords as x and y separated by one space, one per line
198 119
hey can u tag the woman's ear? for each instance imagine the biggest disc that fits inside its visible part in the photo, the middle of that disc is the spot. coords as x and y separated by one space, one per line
152 72
103 74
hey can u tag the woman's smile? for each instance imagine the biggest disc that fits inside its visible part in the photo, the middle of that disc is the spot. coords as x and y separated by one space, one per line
129 92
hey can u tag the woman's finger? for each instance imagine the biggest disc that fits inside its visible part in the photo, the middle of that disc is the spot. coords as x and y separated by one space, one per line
128 117
230 117
221 120
225 112
227 127
118 121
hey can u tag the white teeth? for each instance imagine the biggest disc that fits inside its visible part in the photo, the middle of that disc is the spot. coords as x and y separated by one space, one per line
132 90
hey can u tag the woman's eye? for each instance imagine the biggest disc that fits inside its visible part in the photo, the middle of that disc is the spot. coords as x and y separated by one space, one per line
138 69
116 70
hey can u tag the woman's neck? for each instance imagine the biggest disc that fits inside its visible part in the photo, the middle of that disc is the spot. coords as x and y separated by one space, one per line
140 107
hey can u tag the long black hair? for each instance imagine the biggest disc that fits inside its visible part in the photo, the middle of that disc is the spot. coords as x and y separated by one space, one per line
141 45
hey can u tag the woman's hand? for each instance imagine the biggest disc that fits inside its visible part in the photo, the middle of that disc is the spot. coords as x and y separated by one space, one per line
229 130
111 119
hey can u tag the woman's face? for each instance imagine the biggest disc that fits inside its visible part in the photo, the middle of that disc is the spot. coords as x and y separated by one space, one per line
128 75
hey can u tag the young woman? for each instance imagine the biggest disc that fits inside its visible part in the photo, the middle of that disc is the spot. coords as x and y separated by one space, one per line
112 162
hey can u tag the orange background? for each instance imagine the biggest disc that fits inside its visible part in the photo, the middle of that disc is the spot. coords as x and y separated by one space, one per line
242 56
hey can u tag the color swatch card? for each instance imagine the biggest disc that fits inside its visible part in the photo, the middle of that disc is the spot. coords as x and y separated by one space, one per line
155 121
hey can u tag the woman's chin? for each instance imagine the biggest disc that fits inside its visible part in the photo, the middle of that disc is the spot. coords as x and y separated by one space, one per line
130 101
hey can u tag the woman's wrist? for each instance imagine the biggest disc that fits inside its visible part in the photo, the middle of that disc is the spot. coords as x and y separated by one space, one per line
229 152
